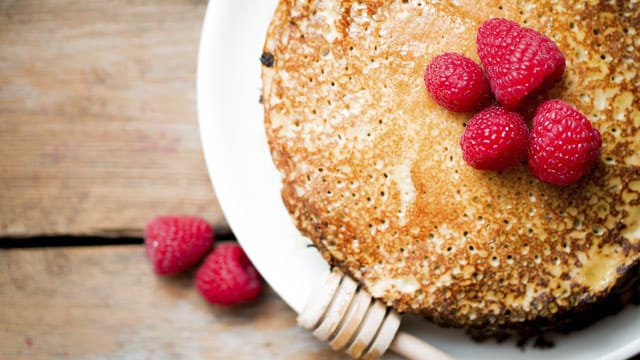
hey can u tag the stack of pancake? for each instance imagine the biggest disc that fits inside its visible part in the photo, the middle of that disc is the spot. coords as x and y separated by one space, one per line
373 174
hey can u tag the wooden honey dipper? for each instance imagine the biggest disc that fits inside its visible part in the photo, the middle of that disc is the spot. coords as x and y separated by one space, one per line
349 318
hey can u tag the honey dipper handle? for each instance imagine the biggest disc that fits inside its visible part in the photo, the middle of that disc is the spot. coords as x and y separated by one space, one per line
413 348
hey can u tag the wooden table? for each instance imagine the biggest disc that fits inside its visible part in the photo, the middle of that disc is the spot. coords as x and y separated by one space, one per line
98 133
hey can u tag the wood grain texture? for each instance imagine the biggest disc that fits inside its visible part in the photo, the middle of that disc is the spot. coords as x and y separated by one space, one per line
105 303
98 123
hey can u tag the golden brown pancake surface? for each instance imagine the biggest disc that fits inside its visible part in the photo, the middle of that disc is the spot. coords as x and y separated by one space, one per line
373 174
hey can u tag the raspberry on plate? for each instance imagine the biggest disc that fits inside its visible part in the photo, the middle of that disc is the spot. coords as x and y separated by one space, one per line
173 243
227 277
495 139
563 145
518 60
457 83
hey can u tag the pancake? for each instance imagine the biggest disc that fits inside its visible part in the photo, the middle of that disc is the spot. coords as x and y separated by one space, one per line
373 174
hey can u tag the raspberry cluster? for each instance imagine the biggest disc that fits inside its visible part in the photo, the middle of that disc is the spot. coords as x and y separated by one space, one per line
176 243
518 62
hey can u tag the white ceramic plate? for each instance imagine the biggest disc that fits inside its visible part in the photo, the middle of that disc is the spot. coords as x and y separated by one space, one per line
248 188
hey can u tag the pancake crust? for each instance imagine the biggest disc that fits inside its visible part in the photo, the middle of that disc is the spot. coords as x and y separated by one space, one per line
373 174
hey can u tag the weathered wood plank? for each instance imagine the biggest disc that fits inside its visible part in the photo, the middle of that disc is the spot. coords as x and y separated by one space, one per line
105 303
98 127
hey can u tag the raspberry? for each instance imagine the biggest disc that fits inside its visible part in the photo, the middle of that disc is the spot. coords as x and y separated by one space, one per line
518 60
457 83
494 139
227 277
563 145
173 243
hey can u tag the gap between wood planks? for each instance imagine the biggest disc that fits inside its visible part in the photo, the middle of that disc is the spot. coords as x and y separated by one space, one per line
67 241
